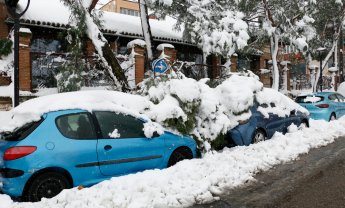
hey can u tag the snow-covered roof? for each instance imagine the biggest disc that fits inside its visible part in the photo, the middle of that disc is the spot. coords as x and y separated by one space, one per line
53 13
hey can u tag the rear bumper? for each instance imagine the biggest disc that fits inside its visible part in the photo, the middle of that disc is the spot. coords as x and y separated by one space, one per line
320 115
10 173
14 186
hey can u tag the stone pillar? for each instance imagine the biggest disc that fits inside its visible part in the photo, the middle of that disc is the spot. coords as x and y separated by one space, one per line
25 73
3 17
139 63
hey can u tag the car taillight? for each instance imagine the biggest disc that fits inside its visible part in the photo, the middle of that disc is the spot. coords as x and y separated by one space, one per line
322 105
241 122
14 153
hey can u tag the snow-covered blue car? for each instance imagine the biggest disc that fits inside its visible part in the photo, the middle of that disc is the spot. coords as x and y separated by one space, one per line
69 148
323 105
259 128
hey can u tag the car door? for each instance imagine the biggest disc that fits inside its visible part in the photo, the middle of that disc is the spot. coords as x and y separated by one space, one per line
123 147
275 123
341 104
74 147
293 118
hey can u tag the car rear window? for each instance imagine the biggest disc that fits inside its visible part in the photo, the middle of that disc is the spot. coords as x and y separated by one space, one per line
309 99
21 132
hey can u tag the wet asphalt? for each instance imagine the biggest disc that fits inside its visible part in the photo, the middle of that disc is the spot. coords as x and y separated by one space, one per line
315 180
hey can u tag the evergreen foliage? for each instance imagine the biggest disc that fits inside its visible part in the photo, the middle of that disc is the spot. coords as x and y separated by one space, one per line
5 47
69 75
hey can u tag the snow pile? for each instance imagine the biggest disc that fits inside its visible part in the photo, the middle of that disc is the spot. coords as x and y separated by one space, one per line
162 46
197 180
135 42
282 104
341 88
115 134
312 99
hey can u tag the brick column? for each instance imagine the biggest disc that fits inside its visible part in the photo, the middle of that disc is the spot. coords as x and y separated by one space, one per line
25 73
233 67
171 52
215 66
139 63
3 17
89 50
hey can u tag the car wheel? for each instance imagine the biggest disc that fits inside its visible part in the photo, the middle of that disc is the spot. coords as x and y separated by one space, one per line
47 185
259 136
332 117
179 155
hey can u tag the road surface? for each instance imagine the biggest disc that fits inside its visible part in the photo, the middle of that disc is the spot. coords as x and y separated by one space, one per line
316 180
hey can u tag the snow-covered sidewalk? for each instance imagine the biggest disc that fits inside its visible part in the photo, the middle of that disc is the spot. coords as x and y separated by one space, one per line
197 180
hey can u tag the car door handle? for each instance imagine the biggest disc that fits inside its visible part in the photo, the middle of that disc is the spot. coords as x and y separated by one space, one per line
107 147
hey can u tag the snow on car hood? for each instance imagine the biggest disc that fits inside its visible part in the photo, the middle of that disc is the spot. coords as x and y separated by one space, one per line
283 104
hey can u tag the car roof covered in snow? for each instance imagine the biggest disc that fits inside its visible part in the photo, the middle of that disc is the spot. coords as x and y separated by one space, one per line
102 100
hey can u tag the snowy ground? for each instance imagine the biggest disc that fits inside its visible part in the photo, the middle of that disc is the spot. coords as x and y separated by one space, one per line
194 181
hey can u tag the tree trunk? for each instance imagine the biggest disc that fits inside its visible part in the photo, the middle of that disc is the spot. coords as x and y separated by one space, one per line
145 24
107 57
324 63
274 52
116 72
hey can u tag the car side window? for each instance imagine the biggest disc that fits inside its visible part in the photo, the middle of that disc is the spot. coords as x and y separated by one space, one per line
333 98
341 98
117 125
76 126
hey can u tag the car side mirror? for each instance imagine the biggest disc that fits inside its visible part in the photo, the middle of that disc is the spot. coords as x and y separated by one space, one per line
293 112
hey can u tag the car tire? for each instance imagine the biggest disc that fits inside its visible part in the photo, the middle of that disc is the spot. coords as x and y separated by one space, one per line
259 136
179 155
332 117
46 185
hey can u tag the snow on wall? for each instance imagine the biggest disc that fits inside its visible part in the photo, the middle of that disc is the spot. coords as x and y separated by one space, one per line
135 42
164 45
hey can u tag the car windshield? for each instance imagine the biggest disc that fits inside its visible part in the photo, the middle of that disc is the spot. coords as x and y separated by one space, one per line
21 132
309 99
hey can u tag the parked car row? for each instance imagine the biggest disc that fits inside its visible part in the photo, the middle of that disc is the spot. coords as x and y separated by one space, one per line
75 147
321 106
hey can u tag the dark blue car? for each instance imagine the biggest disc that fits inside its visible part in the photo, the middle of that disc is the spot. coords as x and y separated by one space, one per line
71 148
259 128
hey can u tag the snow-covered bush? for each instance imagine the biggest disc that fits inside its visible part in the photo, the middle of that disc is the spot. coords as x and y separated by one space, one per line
195 108
68 79
5 47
